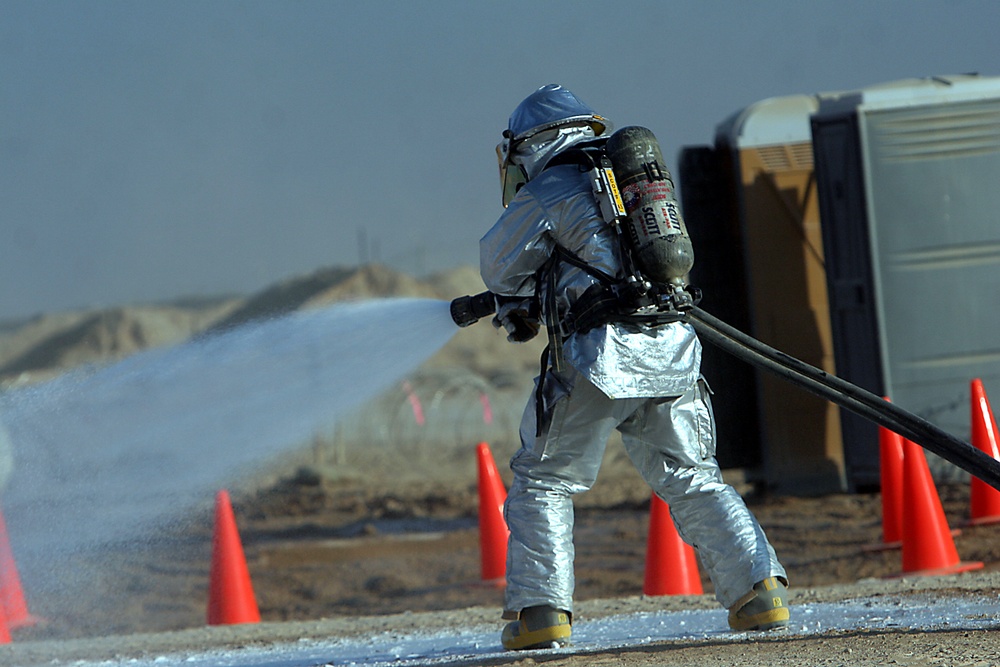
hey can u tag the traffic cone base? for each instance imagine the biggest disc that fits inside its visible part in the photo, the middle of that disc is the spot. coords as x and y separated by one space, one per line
982 521
957 568
892 546
496 584
25 622
882 546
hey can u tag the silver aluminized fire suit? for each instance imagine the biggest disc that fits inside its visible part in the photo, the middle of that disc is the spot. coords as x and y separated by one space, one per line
643 381
6 457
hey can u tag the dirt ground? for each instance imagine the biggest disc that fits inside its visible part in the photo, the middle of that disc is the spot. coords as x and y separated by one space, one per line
336 557
418 550
322 549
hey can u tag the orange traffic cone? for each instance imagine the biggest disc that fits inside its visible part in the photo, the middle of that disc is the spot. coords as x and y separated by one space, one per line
12 603
230 596
928 547
984 500
671 567
891 477
4 630
493 531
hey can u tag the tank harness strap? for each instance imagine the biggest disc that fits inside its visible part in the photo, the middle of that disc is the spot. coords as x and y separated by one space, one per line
539 393
557 329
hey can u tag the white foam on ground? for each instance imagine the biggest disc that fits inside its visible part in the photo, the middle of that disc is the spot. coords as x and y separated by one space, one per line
482 642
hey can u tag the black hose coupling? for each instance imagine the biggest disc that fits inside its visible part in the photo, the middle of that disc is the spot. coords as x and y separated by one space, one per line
467 310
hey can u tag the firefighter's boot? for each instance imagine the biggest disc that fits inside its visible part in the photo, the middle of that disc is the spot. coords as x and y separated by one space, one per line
765 607
538 627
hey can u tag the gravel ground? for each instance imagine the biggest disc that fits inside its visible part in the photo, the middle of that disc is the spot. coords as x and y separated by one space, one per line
332 560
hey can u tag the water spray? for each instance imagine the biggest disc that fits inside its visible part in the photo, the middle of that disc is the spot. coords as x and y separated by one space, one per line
108 456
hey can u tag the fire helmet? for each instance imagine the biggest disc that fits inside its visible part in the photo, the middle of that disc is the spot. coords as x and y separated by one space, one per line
549 120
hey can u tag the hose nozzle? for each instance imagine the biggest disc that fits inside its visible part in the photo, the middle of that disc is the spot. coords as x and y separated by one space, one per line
467 310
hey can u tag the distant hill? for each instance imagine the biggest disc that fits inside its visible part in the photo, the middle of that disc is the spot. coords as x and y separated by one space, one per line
51 344
323 287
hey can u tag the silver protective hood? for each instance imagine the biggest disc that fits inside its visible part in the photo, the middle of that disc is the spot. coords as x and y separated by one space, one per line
546 122
551 106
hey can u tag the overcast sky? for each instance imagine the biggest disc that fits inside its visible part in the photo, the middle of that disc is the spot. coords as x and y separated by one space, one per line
157 149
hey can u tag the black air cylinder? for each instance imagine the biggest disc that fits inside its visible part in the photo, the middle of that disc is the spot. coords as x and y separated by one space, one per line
660 242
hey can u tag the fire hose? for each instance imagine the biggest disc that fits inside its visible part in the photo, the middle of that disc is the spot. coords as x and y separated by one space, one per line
469 309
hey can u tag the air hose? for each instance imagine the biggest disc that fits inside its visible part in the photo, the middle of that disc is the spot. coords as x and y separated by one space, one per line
846 395
469 309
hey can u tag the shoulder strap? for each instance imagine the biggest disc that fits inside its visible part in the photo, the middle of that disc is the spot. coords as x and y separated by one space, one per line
569 257
584 155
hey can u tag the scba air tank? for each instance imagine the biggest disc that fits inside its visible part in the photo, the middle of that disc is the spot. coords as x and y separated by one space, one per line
660 243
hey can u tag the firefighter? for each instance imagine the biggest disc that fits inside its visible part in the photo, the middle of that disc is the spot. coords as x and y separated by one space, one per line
544 252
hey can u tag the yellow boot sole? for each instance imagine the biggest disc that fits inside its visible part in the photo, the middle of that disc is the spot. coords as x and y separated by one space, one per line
517 637
765 607
766 620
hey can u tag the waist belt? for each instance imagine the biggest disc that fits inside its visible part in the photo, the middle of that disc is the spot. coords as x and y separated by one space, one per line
600 305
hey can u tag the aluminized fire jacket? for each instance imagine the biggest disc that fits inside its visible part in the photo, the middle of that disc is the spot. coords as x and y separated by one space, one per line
642 381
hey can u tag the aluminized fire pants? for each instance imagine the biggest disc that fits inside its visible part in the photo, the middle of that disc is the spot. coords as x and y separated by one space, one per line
671 441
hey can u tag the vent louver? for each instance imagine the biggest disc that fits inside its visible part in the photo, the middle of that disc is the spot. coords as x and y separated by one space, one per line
922 133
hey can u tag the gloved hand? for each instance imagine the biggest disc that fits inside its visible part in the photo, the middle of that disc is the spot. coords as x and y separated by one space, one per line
519 316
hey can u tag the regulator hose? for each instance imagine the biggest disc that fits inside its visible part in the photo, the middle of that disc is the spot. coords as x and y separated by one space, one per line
846 395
